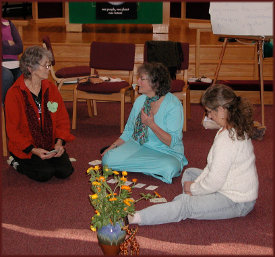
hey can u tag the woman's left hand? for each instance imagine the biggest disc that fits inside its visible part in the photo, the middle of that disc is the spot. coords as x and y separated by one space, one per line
59 148
186 187
148 120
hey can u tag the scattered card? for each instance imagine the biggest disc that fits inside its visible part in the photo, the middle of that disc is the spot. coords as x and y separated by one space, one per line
139 185
112 181
158 200
95 162
151 187
72 159
128 183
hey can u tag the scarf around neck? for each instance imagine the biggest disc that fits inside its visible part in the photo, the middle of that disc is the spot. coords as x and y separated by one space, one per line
140 133
42 135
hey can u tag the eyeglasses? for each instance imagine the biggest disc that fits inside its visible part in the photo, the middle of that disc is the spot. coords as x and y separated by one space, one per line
47 66
143 79
207 112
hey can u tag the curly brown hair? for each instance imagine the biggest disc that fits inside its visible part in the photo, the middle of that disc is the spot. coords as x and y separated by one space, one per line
158 76
240 111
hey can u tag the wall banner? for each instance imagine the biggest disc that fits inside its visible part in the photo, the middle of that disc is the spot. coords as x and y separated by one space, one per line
116 10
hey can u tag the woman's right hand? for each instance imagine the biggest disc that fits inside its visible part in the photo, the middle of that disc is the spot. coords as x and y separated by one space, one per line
106 150
42 153
117 143
11 42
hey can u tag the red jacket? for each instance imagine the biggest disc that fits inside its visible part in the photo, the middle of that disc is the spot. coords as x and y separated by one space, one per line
17 127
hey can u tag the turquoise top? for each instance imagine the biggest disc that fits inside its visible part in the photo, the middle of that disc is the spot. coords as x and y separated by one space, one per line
170 118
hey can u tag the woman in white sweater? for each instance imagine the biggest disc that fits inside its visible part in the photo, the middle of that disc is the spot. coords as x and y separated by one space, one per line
228 186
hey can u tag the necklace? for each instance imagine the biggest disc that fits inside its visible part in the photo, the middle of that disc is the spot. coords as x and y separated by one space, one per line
37 100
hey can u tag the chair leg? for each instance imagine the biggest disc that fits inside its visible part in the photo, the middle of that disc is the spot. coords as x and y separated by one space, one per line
188 106
4 135
60 84
74 109
184 114
95 109
89 104
132 95
122 112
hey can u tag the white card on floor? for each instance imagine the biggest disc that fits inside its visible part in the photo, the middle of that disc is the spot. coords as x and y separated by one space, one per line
112 181
158 200
139 185
72 159
95 162
151 187
128 183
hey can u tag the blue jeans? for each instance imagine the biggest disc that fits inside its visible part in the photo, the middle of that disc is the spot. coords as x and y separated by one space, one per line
8 78
213 206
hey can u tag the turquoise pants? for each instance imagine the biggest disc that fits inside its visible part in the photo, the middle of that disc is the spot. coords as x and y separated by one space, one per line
133 157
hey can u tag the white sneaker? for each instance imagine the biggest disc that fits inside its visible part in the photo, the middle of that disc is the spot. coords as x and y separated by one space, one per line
12 162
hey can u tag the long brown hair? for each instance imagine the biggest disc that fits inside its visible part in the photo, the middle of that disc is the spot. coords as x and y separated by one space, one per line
240 111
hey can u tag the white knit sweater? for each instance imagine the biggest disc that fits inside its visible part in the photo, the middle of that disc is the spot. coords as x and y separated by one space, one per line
230 170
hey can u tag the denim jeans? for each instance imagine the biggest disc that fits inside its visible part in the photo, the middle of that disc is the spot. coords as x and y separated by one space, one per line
213 206
9 76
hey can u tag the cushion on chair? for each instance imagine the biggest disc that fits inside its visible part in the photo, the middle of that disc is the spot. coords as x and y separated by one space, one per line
75 71
176 85
238 85
249 85
102 88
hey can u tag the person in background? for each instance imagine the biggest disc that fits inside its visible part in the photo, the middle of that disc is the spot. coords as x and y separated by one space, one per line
37 121
151 142
12 46
228 186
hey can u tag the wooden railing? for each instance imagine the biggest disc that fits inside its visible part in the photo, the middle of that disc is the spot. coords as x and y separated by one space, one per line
19 24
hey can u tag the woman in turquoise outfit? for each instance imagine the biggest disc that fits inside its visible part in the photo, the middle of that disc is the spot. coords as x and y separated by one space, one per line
151 142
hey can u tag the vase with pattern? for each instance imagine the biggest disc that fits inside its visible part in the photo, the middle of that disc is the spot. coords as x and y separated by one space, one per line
110 237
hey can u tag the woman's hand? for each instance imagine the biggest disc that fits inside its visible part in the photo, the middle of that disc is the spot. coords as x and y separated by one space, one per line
186 187
117 143
11 42
59 148
43 154
148 120
107 149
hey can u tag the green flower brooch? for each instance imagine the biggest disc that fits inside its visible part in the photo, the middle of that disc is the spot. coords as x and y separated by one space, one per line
52 106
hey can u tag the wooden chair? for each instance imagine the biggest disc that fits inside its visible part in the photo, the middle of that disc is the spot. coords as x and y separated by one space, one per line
67 74
114 60
179 86
4 135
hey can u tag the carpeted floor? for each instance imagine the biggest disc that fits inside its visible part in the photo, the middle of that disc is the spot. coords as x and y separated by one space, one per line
53 218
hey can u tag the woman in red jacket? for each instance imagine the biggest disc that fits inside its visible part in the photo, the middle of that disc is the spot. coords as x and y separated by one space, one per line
37 121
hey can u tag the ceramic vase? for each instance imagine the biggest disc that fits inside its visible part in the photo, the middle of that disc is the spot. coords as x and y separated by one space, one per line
110 237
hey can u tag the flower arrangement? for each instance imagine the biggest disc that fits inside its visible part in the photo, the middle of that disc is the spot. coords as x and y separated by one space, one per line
111 204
